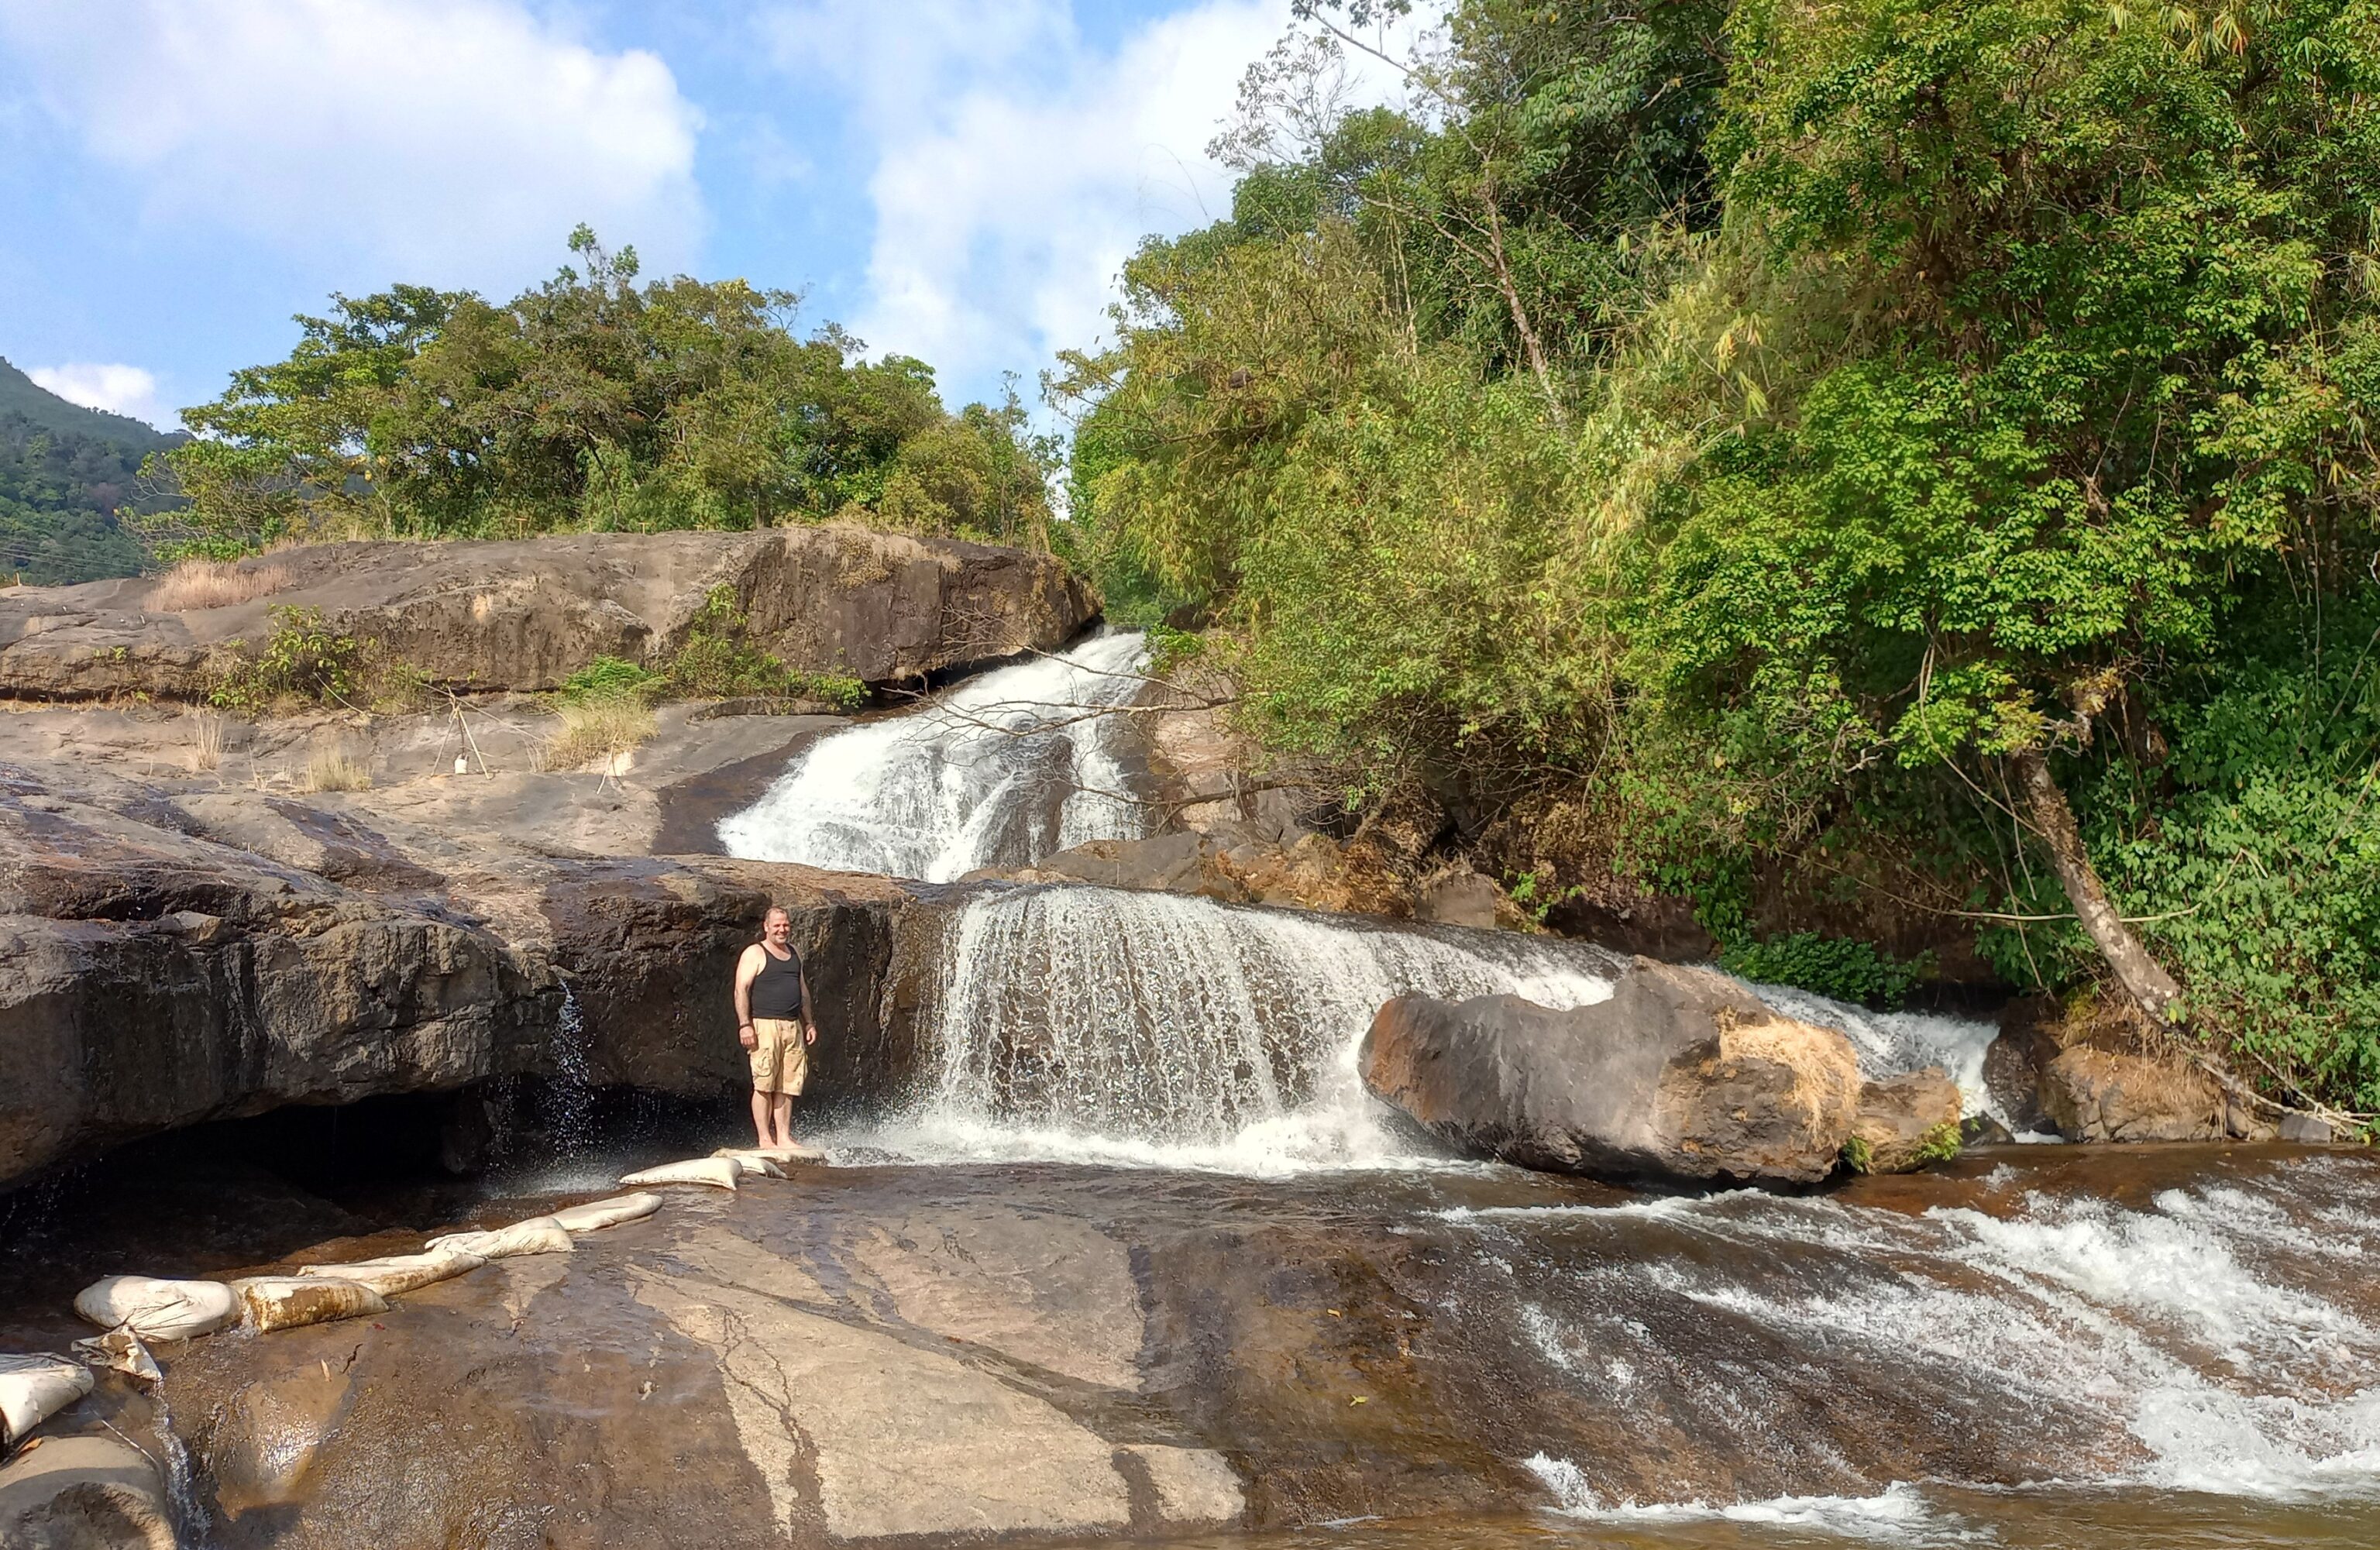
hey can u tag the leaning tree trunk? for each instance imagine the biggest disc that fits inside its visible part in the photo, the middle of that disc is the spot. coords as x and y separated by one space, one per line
2140 975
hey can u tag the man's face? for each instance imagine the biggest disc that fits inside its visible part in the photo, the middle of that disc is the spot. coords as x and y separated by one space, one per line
777 929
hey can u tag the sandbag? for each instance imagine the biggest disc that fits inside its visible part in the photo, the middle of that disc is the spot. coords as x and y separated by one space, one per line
720 1171
120 1350
398 1273
85 1493
33 1388
270 1303
598 1214
751 1162
159 1310
539 1235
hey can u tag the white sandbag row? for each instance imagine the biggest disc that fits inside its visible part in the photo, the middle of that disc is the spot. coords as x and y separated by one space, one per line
727 1167
137 1309
718 1173
270 1303
118 1351
393 1274
752 1165
159 1310
539 1235
599 1214
33 1388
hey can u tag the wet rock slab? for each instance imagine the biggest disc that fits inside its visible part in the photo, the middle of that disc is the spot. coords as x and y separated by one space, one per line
169 958
892 1355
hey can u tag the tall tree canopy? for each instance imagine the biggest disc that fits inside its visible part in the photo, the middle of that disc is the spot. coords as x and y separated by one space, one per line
592 401
1910 454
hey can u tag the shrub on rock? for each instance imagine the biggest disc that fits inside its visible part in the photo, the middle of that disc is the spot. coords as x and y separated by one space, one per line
1904 1122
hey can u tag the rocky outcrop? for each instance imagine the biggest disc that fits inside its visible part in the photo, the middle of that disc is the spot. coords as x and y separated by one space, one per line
913 1358
524 614
168 958
947 1373
2102 1094
1681 1074
1904 1122
648 950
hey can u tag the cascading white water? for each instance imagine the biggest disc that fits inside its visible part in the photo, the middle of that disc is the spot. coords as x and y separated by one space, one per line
1891 1043
2180 1343
1096 1024
1000 771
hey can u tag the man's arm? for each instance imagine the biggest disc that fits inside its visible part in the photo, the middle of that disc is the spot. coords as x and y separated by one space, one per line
810 1017
748 969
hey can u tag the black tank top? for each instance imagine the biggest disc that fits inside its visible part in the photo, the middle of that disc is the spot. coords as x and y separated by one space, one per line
777 989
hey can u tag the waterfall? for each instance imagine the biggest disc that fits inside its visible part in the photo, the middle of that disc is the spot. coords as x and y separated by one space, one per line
570 1100
1096 1024
2212 1337
1000 771
1891 1043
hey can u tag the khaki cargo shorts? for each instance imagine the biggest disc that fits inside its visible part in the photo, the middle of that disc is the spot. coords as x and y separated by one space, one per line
781 1062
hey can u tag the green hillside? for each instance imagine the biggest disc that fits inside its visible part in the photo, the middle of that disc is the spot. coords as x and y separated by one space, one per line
67 473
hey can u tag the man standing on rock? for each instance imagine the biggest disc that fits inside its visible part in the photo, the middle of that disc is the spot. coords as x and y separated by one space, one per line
773 1021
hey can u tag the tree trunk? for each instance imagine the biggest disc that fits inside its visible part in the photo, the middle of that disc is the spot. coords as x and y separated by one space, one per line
1530 343
2140 975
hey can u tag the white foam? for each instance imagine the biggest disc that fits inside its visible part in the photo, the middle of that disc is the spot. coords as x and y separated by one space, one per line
1900 1513
1000 771
2172 1326
1896 1043
1078 1024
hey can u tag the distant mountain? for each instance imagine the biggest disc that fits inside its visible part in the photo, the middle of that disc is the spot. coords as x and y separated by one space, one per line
69 476
20 395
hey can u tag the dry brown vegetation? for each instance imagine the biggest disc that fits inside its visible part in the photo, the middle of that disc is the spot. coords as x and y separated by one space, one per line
597 725
197 583
336 769
206 741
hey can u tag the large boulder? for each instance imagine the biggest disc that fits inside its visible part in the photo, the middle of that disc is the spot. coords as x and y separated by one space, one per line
1682 1073
150 980
1905 1121
167 960
526 613
2105 1095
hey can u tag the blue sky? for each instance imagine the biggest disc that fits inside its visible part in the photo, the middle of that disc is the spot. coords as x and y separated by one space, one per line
951 180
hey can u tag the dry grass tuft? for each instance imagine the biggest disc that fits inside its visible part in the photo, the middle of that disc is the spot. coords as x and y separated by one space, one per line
196 584
206 741
336 769
598 726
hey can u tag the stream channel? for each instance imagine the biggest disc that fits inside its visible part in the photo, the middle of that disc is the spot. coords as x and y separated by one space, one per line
1138 1257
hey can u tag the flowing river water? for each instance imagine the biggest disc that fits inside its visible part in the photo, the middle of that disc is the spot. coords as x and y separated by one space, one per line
1138 1183
2044 1346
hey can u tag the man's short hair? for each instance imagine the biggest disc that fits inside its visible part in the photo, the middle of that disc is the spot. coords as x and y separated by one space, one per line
776 909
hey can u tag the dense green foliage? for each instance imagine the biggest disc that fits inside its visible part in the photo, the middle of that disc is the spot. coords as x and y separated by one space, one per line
304 662
1839 966
65 472
593 403
1727 444
718 659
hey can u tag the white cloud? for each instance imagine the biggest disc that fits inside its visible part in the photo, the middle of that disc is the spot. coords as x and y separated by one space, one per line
455 142
1017 166
122 390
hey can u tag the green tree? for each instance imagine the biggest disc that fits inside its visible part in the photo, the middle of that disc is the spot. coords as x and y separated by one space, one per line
591 401
2119 356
